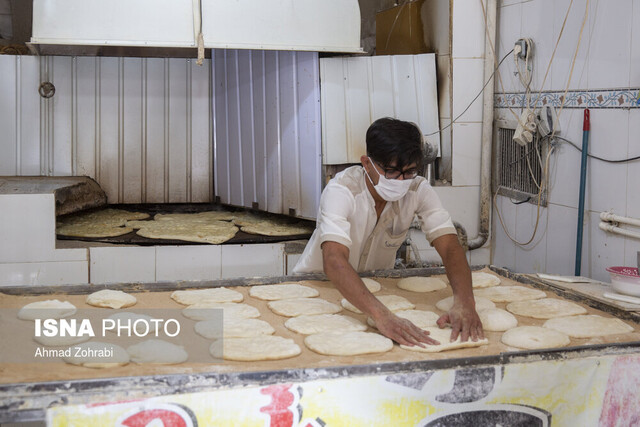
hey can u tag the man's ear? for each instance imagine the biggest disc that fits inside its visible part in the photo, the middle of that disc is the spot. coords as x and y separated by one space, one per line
364 160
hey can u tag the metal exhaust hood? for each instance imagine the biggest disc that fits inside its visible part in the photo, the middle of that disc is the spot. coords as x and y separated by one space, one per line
90 26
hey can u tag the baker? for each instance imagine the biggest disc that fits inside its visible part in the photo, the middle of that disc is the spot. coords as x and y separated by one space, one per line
364 215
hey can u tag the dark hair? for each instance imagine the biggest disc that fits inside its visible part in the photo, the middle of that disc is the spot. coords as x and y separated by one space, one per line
390 140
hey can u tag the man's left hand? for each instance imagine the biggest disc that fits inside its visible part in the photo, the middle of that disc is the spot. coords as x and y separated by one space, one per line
464 321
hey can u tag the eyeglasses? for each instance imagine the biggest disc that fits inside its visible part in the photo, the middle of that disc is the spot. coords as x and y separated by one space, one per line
393 173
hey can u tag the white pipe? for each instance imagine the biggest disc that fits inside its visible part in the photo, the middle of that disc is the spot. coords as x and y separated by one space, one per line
617 230
487 128
611 217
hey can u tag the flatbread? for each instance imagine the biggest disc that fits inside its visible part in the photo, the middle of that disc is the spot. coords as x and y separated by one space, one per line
534 337
48 309
421 284
196 296
111 299
92 230
317 323
372 285
545 308
420 318
263 347
98 224
509 293
351 343
93 354
446 304
208 311
300 306
200 217
392 302
126 318
588 325
480 279
233 328
157 351
443 336
254 224
497 319
282 291
214 232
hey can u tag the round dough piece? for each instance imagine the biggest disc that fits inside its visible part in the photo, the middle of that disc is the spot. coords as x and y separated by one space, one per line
263 347
392 302
60 341
111 299
157 351
233 328
497 319
534 337
372 285
545 308
348 343
206 295
315 324
421 284
420 318
443 336
126 318
299 306
481 303
282 291
48 309
509 293
207 311
480 279
588 325
95 231
95 354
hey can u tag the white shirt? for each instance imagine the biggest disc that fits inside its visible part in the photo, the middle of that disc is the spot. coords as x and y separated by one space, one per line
347 215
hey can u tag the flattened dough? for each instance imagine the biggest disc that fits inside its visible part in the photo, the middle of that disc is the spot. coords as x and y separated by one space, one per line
196 296
545 308
200 217
233 328
588 325
420 318
157 351
282 291
92 230
60 341
445 304
103 223
372 285
497 319
351 343
317 323
421 284
214 232
443 336
392 302
254 224
111 299
263 347
480 279
48 309
96 355
534 337
207 311
126 318
299 306
509 293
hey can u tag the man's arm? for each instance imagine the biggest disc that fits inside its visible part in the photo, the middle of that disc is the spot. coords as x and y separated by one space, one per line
335 258
463 317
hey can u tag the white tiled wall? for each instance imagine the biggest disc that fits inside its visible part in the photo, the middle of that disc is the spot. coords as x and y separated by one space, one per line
608 58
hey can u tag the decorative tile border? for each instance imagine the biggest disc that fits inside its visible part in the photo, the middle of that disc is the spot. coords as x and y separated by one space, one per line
608 98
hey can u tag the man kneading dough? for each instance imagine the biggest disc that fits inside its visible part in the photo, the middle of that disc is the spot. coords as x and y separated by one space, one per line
364 216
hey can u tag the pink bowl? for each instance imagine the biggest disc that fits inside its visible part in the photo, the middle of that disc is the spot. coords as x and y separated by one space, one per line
625 280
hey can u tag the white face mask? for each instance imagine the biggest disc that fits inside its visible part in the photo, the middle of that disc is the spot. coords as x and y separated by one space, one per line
389 189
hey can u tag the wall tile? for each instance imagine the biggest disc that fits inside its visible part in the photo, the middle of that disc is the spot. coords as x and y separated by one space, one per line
509 30
468 30
634 69
631 249
188 263
561 240
607 249
468 79
266 260
44 273
567 46
463 204
532 257
480 256
122 264
610 46
536 23
633 168
467 141
503 251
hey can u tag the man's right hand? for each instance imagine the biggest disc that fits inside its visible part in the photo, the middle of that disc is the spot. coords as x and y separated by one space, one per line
402 330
